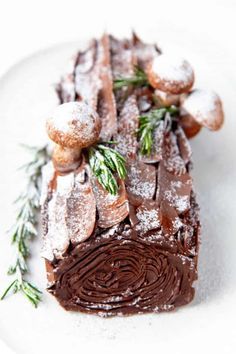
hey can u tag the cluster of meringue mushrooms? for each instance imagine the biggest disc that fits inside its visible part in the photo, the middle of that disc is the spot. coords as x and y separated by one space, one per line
173 79
75 125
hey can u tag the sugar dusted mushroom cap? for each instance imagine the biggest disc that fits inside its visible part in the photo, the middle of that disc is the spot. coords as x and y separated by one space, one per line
170 74
205 107
74 125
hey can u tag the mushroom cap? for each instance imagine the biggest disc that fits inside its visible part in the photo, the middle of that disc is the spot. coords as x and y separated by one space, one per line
205 107
74 125
170 74
190 126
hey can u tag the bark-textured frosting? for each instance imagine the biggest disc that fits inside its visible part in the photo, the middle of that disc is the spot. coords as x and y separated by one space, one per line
139 252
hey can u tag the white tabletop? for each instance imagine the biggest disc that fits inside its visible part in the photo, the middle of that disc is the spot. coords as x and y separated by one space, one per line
27 26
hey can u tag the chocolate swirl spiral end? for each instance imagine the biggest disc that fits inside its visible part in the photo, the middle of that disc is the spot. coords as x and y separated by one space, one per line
123 276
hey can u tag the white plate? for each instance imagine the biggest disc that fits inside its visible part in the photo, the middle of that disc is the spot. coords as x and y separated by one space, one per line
26 98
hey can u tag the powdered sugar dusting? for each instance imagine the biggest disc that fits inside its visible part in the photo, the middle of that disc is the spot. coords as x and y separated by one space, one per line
141 180
74 125
47 177
201 101
122 59
184 146
128 123
148 219
145 52
177 223
56 240
68 88
157 147
173 162
70 113
87 80
71 213
173 69
205 107
80 208
144 189
180 202
106 99
112 209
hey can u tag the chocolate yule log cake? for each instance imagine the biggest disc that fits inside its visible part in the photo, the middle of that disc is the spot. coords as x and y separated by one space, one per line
120 217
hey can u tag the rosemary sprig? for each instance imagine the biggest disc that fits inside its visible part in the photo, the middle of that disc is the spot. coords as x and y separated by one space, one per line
148 124
137 80
25 225
104 162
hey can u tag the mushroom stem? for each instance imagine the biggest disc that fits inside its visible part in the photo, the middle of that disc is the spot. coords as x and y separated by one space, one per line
165 99
66 159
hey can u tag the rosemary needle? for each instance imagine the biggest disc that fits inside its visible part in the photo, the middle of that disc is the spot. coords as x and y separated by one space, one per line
104 162
137 80
25 225
148 124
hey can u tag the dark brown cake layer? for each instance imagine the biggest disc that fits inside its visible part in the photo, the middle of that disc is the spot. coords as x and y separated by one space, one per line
141 255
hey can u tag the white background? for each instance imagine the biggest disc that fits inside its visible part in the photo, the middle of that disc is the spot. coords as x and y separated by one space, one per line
29 26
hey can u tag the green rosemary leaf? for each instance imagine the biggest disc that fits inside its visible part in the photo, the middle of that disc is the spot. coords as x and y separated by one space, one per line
8 289
137 80
31 292
110 142
104 162
147 125
25 225
34 288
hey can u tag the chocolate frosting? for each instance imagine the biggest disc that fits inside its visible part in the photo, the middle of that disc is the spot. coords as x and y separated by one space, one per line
124 274
135 252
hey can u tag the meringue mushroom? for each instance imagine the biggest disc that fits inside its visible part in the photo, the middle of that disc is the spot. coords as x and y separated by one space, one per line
190 126
165 99
170 74
72 126
205 108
